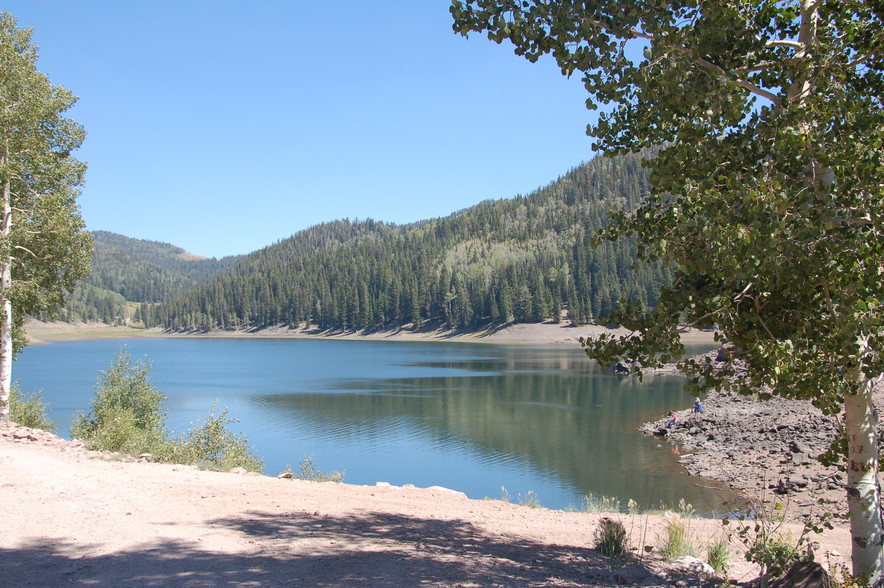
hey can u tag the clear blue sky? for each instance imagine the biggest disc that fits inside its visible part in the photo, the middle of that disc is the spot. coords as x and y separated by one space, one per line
223 127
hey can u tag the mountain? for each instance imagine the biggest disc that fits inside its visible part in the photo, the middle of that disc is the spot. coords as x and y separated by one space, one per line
148 271
525 259
134 270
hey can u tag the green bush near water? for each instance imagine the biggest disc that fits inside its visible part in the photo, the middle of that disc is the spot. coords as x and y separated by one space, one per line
127 416
309 471
212 445
127 413
29 410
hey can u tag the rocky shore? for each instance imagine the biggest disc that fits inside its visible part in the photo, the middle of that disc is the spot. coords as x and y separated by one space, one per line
766 450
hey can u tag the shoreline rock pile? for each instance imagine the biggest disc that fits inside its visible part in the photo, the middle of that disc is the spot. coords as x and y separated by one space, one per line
766 450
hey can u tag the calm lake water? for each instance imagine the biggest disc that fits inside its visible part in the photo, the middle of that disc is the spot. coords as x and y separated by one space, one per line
474 418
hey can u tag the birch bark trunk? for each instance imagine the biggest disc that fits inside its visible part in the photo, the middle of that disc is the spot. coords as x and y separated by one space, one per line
6 323
863 491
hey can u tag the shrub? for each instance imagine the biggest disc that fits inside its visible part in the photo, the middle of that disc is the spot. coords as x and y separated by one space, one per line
211 445
29 410
128 416
127 412
774 553
610 538
310 471
766 545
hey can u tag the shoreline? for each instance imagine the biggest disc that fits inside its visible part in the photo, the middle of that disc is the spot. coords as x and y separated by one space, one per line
105 521
740 442
528 334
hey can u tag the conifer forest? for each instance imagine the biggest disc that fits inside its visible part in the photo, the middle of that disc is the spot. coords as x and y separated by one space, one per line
524 259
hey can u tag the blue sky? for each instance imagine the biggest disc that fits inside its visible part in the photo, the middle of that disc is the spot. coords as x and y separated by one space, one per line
223 127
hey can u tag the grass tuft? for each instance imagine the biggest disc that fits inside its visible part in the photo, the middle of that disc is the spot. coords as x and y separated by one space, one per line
610 538
718 554
677 541
598 503
530 500
309 470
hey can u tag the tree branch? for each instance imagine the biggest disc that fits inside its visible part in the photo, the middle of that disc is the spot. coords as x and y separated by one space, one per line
797 45
707 65
26 250
752 88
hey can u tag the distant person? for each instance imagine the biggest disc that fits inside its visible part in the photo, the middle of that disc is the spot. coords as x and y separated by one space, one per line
673 420
698 406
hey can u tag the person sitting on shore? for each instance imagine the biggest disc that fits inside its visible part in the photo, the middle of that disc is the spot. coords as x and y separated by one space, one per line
698 406
673 420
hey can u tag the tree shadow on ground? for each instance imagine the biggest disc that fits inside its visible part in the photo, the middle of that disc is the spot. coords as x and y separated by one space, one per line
301 549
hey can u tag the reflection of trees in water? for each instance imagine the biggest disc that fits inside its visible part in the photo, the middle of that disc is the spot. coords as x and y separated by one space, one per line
562 417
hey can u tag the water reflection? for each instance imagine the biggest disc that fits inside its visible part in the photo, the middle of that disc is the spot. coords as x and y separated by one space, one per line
557 416
469 417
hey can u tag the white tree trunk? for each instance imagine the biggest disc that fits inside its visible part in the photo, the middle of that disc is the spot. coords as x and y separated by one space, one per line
6 323
863 492
5 355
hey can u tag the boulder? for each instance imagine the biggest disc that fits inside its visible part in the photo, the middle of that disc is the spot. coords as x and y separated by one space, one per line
803 574
692 564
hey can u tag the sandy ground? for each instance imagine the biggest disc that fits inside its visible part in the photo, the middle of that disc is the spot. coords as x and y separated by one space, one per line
78 518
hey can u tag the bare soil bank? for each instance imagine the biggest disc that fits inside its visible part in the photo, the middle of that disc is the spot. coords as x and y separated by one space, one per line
78 518
516 334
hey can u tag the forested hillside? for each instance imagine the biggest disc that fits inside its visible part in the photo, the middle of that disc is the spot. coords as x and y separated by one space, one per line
526 259
135 270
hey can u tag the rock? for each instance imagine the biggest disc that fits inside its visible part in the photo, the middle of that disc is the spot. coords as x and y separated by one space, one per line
621 368
799 458
692 564
803 574
444 490
633 575
799 447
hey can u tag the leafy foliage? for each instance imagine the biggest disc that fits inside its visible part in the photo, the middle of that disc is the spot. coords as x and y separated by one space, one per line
765 541
127 412
767 192
212 445
309 470
29 409
128 417
43 247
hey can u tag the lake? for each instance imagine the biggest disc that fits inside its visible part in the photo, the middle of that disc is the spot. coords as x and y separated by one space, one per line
471 417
